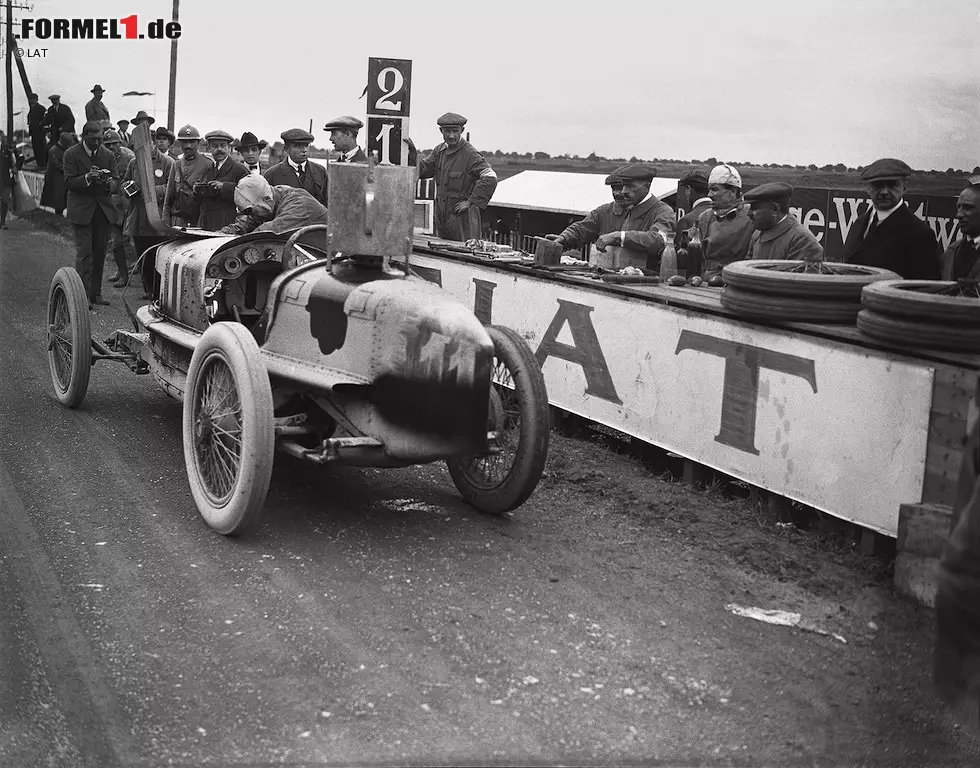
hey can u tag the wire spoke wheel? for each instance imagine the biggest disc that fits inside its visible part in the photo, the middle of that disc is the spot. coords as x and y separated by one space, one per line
229 432
69 337
518 414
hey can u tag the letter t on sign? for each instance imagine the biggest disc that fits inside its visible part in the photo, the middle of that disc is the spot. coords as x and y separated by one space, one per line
740 393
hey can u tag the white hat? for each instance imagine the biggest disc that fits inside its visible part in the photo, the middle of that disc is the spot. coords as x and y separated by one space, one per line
725 174
251 190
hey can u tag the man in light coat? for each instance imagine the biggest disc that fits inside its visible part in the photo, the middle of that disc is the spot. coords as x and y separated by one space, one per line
465 182
778 234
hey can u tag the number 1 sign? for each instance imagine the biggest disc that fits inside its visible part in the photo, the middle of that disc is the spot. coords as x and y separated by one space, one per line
389 100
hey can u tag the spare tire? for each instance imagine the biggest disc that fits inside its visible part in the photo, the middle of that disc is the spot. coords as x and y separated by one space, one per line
941 301
916 333
826 279
764 306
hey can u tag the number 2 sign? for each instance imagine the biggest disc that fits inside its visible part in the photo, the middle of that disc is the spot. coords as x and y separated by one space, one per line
389 102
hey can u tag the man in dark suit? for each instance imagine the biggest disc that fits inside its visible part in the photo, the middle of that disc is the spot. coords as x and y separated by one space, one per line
962 258
216 190
59 118
250 148
343 136
296 170
889 235
35 127
91 179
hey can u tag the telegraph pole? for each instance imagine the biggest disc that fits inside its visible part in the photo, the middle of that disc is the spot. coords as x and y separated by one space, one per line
172 103
9 62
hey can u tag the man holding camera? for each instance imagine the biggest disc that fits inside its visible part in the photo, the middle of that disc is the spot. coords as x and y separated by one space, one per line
91 179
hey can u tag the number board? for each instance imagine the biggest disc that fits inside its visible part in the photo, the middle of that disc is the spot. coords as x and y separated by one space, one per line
389 104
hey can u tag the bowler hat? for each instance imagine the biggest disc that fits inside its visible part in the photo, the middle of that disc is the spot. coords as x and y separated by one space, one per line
141 115
451 119
249 139
296 135
163 132
775 191
344 123
886 168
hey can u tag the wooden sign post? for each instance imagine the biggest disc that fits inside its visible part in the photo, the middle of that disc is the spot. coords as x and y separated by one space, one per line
388 108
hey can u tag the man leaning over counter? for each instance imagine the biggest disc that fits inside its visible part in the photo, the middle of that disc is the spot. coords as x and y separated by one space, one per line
634 221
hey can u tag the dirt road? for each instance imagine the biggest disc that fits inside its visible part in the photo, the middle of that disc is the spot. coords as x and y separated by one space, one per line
373 618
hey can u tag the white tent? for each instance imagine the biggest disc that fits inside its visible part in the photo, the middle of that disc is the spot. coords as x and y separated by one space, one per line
564 192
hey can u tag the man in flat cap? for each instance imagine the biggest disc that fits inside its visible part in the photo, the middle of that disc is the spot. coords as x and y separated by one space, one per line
216 189
35 127
91 179
59 118
465 182
250 149
725 231
888 234
264 208
778 234
120 245
296 170
95 110
962 259
635 221
180 206
343 135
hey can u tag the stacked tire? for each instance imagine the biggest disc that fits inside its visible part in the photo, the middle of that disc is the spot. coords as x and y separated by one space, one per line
931 314
797 291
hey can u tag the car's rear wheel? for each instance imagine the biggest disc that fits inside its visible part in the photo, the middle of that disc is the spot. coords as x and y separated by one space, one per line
518 413
229 432
69 337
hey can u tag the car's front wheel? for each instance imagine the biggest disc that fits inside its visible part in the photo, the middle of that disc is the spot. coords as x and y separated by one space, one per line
229 432
69 337
518 414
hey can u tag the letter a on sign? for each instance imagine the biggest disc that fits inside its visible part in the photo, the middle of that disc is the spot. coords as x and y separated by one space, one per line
585 352
389 92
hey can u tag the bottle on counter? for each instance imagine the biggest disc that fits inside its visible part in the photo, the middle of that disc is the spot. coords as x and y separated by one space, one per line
668 259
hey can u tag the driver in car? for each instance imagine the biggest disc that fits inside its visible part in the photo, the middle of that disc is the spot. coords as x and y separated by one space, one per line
278 209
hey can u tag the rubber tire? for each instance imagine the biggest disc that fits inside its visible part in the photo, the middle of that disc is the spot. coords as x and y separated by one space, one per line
895 297
532 448
916 333
67 282
751 275
763 306
232 345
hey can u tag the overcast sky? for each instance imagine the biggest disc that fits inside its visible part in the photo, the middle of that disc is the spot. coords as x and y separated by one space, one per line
762 80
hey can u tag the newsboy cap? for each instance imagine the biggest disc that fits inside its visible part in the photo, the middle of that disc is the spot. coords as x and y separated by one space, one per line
344 123
614 177
188 132
886 168
694 179
54 97
775 191
91 128
296 135
249 139
636 172
451 119
219 135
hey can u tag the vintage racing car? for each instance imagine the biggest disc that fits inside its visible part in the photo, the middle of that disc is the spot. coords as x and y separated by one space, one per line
323 345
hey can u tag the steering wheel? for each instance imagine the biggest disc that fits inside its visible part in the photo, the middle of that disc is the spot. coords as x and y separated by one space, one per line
291 254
